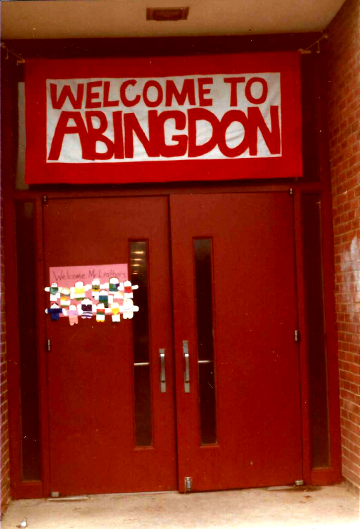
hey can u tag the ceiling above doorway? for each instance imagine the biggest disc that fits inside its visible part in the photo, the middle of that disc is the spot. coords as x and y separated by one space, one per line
127 18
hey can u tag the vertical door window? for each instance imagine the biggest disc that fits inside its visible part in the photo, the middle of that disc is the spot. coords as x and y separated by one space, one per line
205 341
142 381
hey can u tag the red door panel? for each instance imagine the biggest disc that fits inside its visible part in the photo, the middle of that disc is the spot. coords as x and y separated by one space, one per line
91 365
255 357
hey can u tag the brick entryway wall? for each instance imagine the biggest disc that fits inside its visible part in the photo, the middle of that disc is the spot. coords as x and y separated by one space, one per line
343 120
4 431
4 422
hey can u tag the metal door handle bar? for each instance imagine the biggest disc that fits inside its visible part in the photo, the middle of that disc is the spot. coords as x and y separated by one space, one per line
205 361
142 364
187 366
162 371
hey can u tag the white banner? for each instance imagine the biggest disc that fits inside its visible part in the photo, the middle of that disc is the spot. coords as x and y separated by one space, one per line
194 116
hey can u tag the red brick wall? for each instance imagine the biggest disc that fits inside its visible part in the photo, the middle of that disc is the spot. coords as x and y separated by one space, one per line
4 423
343 119
4 431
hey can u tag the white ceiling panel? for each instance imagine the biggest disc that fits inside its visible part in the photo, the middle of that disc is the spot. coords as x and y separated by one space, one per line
127 18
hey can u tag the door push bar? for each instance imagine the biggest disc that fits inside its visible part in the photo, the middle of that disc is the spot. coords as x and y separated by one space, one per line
187 366
162 371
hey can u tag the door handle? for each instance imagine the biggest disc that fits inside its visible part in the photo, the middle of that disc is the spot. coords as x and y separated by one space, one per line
162 371
187 366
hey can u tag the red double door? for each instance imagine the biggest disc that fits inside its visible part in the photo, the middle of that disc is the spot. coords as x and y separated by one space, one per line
200 389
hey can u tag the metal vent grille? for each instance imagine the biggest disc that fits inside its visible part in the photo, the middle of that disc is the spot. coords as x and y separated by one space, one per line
171 14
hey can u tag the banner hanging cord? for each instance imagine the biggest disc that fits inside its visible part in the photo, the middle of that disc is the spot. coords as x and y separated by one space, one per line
20 60
307 51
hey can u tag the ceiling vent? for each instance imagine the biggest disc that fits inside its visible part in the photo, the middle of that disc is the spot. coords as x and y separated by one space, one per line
170 14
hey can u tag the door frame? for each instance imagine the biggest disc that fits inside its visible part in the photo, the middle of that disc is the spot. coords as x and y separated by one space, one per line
39 489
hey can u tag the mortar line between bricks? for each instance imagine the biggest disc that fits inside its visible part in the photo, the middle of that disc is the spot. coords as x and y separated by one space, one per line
346 419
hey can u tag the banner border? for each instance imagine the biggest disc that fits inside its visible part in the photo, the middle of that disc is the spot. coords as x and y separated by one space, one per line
289 165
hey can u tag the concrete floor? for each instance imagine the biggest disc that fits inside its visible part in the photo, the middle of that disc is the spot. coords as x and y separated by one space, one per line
310 507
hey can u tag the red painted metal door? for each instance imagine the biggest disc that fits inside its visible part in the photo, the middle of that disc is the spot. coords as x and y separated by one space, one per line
104 435
238 402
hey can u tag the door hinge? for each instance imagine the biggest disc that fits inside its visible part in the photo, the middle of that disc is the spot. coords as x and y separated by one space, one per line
48 346
291 191
297 335
188 484
45 199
